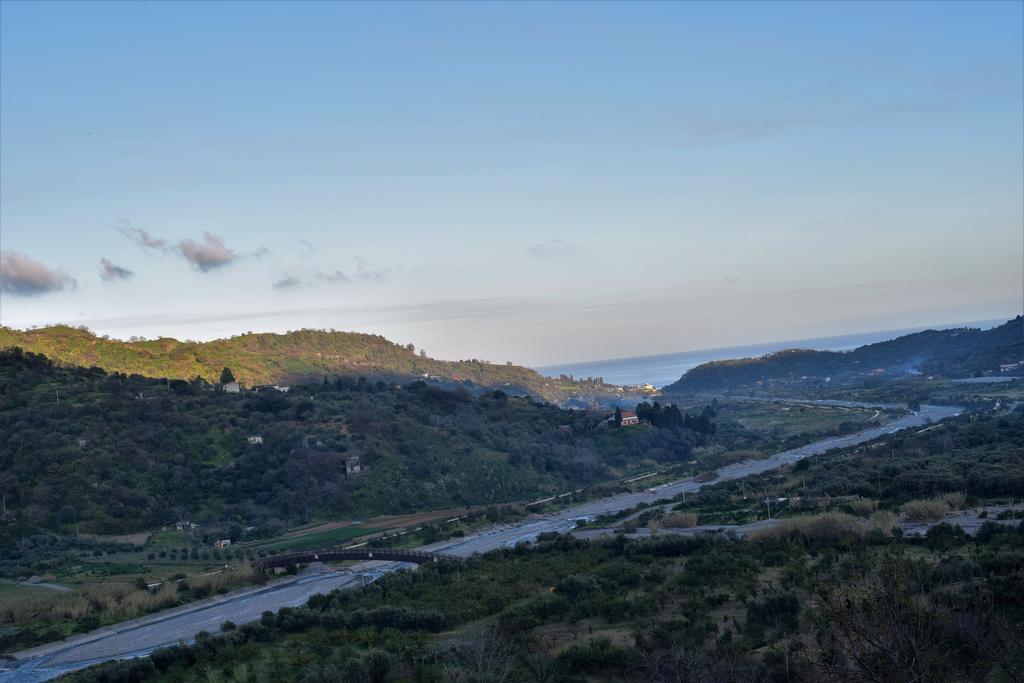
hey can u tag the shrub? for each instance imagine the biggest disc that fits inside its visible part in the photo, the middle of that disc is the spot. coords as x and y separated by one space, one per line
884 521
931 510
598 655
774 611
862 508
955 500
817 530
943 536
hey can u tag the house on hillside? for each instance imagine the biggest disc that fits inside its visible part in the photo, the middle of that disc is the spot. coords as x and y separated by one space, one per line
272 387
222 543
629 418
255 440
353 466
233 388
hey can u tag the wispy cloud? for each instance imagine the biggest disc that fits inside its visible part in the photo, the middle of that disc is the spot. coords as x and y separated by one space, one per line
287 282
334 276
555 247
25 276
143 238
364 272
368 271
110 272
207 255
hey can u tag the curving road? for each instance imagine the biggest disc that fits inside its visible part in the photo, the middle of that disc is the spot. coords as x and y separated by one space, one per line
138 637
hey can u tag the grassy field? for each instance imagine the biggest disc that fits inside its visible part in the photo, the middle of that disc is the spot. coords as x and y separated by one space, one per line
786 420
316 539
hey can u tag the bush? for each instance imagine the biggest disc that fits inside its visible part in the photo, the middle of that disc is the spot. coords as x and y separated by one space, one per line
955 500
884 521
862 508
944 536
821 530
598 655
931 510
774 611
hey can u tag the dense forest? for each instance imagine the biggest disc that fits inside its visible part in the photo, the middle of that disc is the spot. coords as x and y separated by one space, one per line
962 352
829 595
91 452
293 358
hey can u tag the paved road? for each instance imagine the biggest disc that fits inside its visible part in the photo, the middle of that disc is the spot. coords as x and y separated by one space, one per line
140 636
45 585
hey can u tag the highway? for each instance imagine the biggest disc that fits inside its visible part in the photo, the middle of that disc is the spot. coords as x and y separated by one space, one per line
138 637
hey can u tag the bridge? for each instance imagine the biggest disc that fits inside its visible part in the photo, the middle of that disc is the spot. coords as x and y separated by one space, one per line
342 554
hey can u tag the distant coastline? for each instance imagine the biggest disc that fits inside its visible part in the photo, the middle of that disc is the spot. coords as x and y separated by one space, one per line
664 369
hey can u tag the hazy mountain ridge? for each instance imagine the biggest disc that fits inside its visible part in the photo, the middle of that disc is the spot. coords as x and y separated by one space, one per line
961 352
296 357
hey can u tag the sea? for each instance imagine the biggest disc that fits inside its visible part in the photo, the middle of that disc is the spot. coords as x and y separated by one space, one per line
666 368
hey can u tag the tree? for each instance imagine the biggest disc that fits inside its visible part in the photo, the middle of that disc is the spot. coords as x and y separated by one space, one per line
481 654
618 416
226 376
882 630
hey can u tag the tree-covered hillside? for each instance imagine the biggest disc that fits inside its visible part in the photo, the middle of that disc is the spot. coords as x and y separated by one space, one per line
88 451
962 352
291 358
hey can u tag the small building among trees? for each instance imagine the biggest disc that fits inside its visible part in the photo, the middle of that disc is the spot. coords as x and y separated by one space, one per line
629 418
624 418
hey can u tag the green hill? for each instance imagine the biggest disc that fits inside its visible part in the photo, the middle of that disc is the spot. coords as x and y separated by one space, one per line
962 352
292 358
88 451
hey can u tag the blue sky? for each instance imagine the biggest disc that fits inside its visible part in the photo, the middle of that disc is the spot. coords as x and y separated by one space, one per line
531 182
